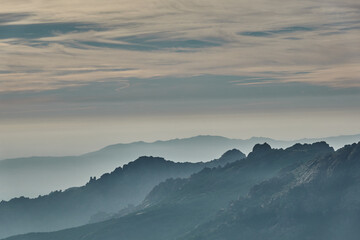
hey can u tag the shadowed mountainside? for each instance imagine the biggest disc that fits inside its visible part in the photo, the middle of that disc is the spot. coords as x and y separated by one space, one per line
25 176
177 206
317 200
127 185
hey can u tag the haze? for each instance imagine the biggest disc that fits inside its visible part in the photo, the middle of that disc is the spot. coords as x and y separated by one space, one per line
78 75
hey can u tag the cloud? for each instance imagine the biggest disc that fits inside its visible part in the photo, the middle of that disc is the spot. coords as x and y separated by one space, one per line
39 30
152 43
285 30
57 44
338 76
12 17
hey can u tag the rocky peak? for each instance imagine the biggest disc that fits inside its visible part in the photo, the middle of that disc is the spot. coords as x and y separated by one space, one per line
261 148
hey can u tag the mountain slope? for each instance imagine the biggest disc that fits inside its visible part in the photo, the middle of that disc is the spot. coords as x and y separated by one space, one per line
25 176
318 200
176 206
110 193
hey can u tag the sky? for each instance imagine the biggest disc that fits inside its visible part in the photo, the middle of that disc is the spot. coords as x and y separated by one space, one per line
78 75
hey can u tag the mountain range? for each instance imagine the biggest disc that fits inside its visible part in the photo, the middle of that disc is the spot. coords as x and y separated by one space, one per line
241 199
25 176
317 200
123 188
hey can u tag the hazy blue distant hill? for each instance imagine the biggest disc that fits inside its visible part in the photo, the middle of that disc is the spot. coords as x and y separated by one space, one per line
127 185
25 176
40 175
176 207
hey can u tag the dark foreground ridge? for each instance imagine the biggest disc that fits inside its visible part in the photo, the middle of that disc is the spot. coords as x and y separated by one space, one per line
318 200
99 199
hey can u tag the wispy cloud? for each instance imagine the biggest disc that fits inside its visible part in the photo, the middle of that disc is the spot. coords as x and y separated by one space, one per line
13 17
56 44
286 30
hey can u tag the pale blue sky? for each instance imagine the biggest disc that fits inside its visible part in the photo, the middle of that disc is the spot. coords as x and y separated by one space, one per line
78 75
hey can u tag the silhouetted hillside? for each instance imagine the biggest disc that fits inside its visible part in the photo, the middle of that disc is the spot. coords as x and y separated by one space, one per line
25 176
127 185
319 200
176 207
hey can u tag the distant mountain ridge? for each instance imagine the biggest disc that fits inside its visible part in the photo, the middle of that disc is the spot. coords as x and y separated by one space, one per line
127 185
177 207
25 176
